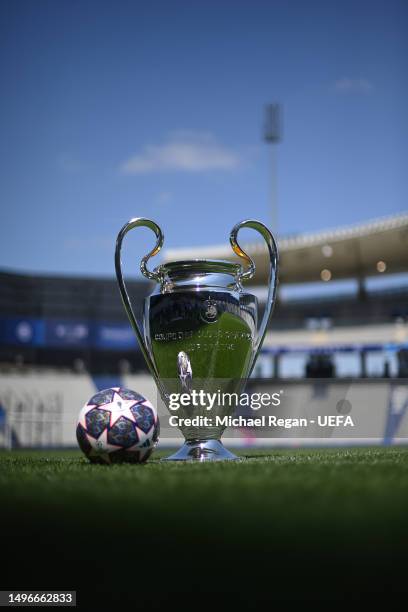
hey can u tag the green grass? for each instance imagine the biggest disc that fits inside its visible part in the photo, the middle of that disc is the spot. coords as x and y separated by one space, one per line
349 490
347 505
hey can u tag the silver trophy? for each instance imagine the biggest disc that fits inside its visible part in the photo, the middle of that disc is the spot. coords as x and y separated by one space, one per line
199 330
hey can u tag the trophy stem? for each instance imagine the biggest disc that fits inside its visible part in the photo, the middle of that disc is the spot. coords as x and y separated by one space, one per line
202 450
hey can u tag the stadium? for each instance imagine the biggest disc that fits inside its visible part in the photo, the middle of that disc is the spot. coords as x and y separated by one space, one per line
320 501
286 484
64 334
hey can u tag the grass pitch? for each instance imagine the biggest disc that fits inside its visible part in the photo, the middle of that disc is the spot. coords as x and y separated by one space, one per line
287 524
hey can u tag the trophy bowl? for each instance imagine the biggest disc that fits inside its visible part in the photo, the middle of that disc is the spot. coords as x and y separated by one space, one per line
199 333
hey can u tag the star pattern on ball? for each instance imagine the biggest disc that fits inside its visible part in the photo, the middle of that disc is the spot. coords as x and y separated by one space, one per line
103 397
120 407
101 448
143 416
123 433
96 421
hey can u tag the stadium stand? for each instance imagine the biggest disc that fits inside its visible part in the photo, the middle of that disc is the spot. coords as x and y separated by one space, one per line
368 322
67 322
62 337
80 322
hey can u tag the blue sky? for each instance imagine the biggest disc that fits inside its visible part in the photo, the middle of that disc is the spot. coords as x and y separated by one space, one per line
118 109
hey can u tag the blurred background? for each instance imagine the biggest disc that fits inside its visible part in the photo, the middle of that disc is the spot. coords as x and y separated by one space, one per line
198 115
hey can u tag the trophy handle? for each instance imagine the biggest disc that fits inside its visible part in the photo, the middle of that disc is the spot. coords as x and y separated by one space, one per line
138 222
273 274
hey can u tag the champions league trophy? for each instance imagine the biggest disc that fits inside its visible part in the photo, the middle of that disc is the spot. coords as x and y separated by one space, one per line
199 329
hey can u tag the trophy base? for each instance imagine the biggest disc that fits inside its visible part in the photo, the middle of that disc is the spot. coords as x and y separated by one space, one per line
202 450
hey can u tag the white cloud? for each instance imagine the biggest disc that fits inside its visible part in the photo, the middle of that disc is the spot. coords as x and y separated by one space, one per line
182 151
349 85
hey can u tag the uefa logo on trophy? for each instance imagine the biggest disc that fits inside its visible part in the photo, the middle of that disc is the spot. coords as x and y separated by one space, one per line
200 327
209 313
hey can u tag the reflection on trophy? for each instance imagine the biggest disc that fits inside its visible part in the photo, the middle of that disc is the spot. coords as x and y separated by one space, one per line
200 330
185 372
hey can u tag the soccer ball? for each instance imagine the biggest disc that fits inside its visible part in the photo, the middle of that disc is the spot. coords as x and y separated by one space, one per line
117 425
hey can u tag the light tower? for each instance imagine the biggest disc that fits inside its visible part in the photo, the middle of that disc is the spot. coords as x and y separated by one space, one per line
273 135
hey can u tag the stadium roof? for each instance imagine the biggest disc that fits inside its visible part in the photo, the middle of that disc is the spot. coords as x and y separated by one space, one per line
377 247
